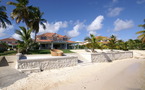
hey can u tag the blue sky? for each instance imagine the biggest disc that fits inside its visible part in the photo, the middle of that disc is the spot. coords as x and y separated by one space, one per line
79 18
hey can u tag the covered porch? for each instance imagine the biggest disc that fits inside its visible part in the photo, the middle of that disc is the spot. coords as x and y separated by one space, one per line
56 45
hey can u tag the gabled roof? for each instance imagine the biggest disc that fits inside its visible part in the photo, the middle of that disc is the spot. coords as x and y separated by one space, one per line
101 37
50 35
71 41
43 40
9 39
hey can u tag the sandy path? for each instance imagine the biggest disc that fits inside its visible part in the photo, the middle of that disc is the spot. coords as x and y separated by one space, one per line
125 74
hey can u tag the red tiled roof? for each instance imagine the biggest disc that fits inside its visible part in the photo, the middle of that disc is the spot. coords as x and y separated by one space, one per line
8 39
50 35
71 41
101 37
43 40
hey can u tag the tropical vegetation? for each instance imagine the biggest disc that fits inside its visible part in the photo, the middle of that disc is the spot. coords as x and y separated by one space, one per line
93 42
32 17
3 17
141 33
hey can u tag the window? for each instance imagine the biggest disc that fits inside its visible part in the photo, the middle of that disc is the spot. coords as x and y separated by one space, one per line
65 39
43 38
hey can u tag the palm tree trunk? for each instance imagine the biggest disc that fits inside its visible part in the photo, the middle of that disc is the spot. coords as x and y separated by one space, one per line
35 37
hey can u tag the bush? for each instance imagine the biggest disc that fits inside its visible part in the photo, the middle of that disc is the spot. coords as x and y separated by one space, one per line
2 49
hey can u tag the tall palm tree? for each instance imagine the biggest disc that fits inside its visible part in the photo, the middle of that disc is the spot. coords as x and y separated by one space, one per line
30 15
36 19
142 33
93 42
26 42
112 42
21 12
3 17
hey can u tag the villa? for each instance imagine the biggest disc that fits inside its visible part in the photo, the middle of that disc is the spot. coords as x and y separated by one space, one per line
10 41
54 41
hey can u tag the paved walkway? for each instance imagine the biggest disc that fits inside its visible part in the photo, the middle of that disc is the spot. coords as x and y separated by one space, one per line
9 75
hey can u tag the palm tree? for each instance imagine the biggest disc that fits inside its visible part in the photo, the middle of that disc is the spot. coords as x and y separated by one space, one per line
142 33
28 14
26 42
36 19
3 17
21 12
93 43
119 44
112 42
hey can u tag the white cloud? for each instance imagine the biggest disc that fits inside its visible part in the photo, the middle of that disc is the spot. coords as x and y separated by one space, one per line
96 24
112 12
140 1
16 36
53 27
92 32
75 32
3 30
121 25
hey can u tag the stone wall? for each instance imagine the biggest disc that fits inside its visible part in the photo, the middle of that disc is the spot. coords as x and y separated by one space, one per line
47 63
108 57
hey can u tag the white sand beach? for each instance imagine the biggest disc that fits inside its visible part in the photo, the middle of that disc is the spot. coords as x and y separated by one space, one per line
126 74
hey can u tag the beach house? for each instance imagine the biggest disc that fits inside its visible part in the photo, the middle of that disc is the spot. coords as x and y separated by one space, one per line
54 41
12 43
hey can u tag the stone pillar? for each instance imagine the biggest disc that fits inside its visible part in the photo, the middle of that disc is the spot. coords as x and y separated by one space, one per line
65 45
39 46
51 45
18 55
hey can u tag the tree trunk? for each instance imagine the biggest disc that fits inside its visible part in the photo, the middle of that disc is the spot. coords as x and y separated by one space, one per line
35 37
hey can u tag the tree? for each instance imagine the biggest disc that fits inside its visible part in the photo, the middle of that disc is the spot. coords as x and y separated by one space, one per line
26 42
112 42
142 33
21 12
93 43
119 44
3 17
30 15
36 19
131 44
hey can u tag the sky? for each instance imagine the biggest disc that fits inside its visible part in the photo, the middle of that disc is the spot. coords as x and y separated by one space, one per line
80 18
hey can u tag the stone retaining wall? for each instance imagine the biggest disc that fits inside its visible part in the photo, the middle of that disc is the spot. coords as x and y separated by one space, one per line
108 57
47 63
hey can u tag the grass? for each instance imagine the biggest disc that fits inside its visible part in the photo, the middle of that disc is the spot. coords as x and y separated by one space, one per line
33 52
8 53
47 51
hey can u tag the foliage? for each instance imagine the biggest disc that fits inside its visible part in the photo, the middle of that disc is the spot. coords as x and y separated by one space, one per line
11 52
47 51
31 16
112 42
26 42
36 19
141 33
93 42
3 17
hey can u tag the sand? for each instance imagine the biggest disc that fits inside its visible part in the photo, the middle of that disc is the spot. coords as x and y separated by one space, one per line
126 74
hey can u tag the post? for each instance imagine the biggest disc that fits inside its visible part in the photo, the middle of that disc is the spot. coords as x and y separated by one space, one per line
51 45
65 45
18 55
